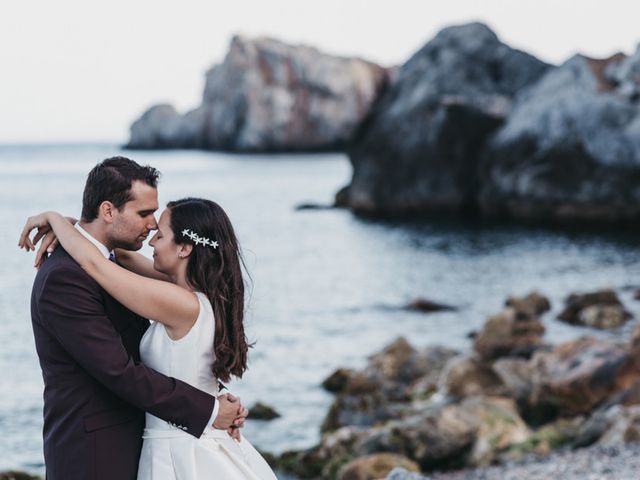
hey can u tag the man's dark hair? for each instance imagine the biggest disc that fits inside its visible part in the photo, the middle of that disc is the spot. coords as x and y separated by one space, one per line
111 180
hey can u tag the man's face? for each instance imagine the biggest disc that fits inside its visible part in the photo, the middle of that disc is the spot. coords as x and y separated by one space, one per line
131 226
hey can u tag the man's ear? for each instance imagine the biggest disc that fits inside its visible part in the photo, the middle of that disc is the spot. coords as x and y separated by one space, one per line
106 211
185 249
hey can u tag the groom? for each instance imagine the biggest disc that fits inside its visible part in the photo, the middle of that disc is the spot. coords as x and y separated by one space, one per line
95 388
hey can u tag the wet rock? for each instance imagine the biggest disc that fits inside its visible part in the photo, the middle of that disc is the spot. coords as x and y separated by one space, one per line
337 381
604 316
261 411
362 405
376 466
515 374
391 379
569 150
577 376
418 151
544 440
499 426
397 361
428 306
465 376
324 460
14 475
623 427
595 425
510 332
601 309
438 438
269 96
433 360
450 436
532 305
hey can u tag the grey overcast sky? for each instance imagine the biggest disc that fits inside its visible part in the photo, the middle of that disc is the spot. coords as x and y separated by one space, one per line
79 71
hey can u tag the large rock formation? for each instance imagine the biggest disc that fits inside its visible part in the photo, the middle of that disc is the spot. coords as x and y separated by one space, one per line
419 149
269 96
570 149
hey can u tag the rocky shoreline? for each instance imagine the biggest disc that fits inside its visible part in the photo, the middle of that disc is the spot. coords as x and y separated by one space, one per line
511 398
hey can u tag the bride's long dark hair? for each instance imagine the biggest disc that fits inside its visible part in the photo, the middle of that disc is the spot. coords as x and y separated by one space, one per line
218 274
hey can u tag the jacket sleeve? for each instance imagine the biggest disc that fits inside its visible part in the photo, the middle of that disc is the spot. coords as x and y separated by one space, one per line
73 311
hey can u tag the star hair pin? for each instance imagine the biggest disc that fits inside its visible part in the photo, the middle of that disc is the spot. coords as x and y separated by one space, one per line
198 240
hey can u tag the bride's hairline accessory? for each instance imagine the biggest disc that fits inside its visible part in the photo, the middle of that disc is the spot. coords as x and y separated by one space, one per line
197 239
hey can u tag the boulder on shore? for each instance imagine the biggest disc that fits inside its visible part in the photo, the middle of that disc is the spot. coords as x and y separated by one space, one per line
382 390
510 332
601 309
579 375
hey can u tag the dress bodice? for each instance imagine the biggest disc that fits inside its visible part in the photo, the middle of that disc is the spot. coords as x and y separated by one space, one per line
188 359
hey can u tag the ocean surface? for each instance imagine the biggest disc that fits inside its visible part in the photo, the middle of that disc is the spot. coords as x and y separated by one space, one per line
327 288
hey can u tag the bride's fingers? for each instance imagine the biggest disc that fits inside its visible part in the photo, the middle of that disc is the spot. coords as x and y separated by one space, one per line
46 245
25 241
24 237
53 245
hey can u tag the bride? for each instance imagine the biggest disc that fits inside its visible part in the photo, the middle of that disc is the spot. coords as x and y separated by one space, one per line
193 289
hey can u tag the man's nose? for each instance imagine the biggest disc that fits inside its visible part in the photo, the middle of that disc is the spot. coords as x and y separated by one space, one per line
153 225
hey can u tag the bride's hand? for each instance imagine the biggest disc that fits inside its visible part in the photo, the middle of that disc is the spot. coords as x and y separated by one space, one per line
44 235
38 222
48 244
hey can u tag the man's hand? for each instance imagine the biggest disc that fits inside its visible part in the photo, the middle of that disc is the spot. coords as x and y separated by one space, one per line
227 412
238 423
231 415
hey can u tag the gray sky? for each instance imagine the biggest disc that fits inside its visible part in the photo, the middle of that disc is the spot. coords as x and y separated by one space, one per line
75 70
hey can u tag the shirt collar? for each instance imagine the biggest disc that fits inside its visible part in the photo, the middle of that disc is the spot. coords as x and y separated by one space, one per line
103 250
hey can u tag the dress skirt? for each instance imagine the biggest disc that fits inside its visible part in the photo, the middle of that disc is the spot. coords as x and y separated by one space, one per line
176 455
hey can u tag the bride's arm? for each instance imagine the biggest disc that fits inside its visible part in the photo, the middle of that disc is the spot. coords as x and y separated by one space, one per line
137 263
174 306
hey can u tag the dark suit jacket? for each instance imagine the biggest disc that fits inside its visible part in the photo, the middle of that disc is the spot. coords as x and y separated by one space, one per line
95 388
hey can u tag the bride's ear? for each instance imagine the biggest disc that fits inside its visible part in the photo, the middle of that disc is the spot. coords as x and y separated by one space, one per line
184 250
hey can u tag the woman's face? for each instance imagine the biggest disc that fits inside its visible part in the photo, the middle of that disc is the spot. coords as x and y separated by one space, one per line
165 250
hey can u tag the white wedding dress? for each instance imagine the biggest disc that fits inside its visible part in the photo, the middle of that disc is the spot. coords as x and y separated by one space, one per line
168 453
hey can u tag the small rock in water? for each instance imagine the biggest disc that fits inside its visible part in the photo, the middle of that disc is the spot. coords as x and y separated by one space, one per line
313 206
337 381
601 309
427 306
510 332
533 305
261 411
